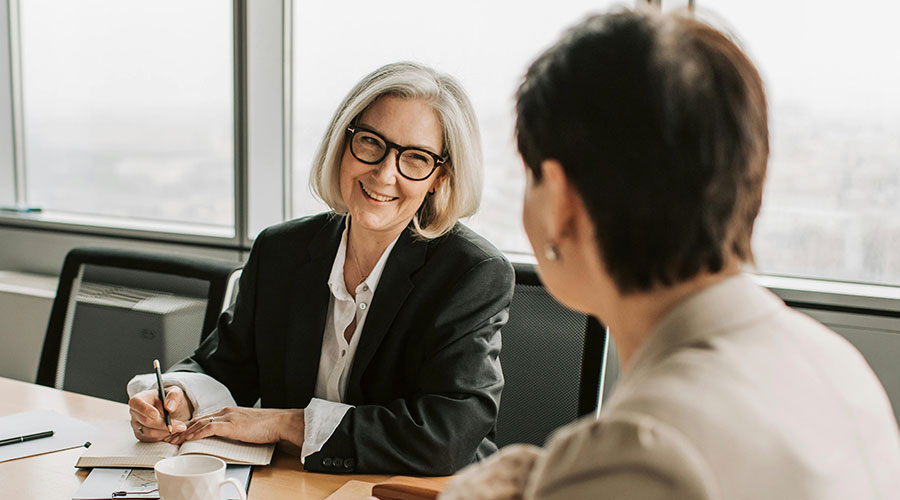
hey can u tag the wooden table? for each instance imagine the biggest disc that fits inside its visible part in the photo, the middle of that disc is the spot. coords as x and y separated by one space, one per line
53 475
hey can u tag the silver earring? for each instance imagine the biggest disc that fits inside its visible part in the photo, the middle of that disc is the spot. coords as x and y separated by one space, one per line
551 252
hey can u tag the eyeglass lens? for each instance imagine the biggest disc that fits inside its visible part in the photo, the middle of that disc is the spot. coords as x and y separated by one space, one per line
369 148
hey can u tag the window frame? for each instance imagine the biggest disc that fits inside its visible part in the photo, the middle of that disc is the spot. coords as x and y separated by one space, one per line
262 166
261 76
9 181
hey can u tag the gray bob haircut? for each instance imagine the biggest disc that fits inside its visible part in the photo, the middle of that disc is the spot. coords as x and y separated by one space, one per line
460 193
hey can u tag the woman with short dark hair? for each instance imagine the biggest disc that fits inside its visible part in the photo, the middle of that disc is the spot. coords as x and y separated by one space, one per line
645 141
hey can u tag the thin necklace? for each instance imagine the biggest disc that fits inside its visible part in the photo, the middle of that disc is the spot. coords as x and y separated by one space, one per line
358 267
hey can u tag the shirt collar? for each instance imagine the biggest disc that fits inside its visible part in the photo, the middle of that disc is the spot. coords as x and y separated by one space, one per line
714 311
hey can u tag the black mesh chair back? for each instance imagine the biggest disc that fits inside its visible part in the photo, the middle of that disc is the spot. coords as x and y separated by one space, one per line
116 311
553 362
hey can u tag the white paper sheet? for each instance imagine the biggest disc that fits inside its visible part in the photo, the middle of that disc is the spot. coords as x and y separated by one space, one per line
100 483
68 433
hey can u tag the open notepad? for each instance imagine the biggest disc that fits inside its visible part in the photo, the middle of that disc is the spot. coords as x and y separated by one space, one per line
117 447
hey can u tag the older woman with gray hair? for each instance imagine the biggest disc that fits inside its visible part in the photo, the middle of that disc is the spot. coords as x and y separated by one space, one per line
370 335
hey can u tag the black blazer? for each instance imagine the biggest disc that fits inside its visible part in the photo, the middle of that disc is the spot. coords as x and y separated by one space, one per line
426 378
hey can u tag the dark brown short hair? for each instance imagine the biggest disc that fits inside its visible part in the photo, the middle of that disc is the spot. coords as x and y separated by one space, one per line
660 123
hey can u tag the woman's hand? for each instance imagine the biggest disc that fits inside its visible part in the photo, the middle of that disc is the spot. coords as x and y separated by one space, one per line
250 425
147 419
503 476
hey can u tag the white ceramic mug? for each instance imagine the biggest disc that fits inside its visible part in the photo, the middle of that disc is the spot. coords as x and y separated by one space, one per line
193 477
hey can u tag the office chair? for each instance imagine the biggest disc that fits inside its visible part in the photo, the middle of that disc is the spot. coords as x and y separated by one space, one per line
116 311
554 362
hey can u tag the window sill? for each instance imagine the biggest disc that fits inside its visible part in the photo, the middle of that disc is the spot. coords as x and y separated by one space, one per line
813 293
853 297
121 227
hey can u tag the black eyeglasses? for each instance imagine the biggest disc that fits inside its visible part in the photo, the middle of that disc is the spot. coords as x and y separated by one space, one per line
370 147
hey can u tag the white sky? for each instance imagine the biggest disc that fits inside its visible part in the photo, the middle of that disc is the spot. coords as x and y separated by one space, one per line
835 55
125 56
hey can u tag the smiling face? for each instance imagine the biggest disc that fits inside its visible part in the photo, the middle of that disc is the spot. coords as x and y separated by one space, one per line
379 199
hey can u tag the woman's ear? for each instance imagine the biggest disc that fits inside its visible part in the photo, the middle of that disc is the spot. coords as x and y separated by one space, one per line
438 182
562 201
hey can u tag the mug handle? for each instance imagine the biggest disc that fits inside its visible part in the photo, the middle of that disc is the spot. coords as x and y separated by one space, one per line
237 485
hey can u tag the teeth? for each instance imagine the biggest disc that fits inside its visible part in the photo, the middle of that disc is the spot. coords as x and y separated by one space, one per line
375 196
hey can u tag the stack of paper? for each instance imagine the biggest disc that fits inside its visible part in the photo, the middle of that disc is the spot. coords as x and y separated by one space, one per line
68 433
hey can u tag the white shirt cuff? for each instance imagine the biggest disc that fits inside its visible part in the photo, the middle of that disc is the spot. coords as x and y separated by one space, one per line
205 393
321 418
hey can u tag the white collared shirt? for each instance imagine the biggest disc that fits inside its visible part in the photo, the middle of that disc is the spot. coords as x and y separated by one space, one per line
326 409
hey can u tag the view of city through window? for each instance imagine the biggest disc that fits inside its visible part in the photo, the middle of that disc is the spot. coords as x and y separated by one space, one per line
128 108
479 43
832 203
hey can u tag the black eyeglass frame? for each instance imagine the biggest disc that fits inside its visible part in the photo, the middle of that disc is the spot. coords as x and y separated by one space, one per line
352 130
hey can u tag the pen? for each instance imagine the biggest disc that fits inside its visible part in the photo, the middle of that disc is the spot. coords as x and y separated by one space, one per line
21 210
28 437
162 395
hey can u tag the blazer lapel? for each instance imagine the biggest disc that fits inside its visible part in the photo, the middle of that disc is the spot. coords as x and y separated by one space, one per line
308 312
394 286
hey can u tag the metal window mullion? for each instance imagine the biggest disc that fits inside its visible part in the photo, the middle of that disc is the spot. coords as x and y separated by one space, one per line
266 118
7 149
241 175
287 35
17 118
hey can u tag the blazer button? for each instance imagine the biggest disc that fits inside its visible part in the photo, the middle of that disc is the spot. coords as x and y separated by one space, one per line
349 463
337 462
326 462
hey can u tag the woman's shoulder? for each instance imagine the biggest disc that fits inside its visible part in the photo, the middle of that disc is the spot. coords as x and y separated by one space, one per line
463 254
462 242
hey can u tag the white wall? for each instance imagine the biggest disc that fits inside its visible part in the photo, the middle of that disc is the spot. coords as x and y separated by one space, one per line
25 302
43 252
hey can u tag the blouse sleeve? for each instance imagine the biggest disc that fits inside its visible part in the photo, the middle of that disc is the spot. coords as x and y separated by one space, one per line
626 455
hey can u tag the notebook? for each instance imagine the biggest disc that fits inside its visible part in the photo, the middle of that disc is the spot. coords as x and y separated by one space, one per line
117 447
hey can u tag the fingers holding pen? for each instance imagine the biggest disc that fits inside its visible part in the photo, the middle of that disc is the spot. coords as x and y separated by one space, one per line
177 404
147 432
147 420
152 430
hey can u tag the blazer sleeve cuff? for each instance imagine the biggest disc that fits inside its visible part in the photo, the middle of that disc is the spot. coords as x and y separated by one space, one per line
321 418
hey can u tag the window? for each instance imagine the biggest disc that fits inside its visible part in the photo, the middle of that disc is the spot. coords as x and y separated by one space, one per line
128 110
124 111
486 45
832 204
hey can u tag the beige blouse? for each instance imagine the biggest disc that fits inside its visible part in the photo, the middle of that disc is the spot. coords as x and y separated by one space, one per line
733 396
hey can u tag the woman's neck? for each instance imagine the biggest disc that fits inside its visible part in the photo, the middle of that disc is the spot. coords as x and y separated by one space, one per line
366 246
